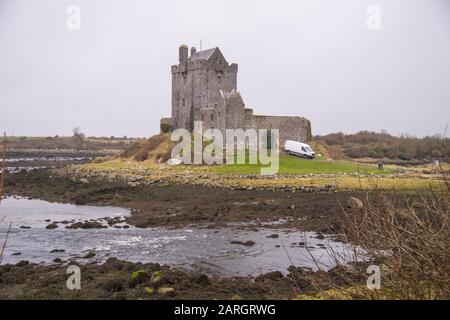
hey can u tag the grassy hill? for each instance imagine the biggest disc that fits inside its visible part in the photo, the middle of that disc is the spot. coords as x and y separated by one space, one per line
156 147
295 165
159 147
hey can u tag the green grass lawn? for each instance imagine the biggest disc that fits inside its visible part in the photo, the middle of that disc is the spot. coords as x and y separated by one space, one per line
296 165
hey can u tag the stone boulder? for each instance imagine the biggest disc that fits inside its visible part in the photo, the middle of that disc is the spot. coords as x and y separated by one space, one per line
354 203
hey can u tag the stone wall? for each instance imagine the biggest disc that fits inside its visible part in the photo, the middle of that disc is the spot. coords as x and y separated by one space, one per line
290 128
237 116
166 125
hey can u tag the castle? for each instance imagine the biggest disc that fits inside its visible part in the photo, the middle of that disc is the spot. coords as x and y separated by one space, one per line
204 88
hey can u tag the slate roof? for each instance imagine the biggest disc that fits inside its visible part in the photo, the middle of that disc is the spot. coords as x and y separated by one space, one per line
203 55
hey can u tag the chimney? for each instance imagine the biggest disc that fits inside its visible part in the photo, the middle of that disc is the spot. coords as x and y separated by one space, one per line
184 50
193 51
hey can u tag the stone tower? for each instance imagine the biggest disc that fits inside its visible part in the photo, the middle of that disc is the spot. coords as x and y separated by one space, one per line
197 82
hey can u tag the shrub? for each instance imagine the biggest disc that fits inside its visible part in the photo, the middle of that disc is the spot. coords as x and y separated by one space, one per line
140 150
141 155
382 145
407 238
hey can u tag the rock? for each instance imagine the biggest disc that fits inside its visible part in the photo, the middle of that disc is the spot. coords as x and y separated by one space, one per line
320 236
114 285
139 276
354 203
51 226
84 180
57 260
88 255
292 207
16 254
22 263
25 227
57 251
167 291
174 162
248 243
149 290
86 225
273 236
276 275
202 280
156 277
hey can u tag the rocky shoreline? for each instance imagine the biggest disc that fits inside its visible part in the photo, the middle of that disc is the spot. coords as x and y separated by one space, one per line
167 205
164 175
116 279
175 206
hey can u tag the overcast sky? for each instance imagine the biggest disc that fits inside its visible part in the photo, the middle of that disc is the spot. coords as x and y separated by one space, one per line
314 58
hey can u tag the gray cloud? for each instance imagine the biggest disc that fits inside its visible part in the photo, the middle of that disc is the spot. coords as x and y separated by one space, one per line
314 58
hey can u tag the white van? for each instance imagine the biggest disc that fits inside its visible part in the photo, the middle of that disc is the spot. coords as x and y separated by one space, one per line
299 149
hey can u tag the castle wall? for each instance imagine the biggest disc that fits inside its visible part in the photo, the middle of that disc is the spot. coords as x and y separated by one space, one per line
290 128
237 116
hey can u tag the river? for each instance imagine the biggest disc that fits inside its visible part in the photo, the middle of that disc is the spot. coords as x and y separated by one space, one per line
206 250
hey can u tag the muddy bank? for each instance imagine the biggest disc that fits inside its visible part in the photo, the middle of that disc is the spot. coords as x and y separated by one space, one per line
117 279
181 205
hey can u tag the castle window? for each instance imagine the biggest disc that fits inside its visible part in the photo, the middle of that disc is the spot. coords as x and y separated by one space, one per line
212 116
203 117
183 102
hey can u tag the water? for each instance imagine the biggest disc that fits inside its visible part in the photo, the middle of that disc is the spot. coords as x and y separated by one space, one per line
17 164
205 250
47 159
